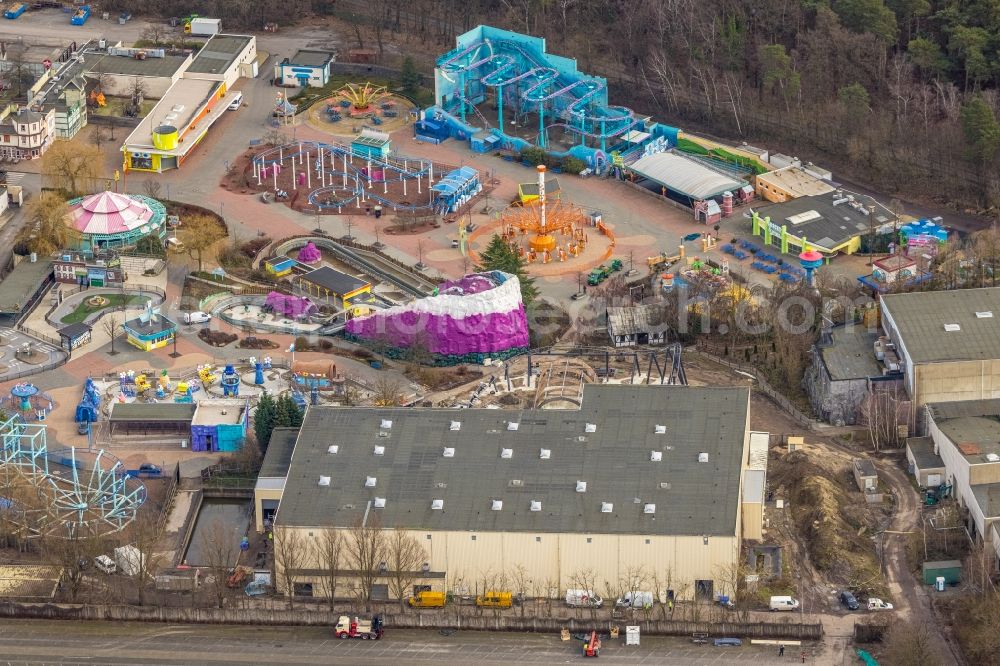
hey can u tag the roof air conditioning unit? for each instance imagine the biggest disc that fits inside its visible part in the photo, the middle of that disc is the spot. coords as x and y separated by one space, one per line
380 450
437 504
649 508
581 486
333 449
449 452
513 425
386 423
536 505
992 457
545 454
507 453
496 505
455 425
324 480
370 482
702 457
607 507
379 502
656 456
590 427
660 430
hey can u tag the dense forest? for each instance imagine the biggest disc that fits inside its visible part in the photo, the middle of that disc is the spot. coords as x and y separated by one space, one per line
898 94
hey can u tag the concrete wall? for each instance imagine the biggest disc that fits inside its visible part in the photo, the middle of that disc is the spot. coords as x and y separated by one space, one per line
949 382
835 402
561 561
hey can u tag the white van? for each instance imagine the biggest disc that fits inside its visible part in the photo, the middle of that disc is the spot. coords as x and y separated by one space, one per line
784 604
635 600
105 564
583 599
175 244
235 104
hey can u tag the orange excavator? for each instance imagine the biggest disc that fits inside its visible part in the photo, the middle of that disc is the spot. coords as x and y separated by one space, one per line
592 648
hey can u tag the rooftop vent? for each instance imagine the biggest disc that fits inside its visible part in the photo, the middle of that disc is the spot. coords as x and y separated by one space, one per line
536 505
437 504
649 508
656 456
386 423
516 483
951 328
370 482
702 457
449 452
383 433
333 449
380 450
664 485
324 480
590 427
545 454
507 453
984 315
496 505
455 425
607 507
581 486
660 430
513 425
379 502
992 457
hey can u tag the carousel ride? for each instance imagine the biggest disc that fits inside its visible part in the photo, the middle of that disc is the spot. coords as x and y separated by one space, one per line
542 230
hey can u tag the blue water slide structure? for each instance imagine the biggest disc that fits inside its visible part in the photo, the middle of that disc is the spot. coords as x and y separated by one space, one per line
519 72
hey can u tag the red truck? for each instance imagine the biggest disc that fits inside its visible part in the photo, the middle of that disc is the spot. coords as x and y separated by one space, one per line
364 629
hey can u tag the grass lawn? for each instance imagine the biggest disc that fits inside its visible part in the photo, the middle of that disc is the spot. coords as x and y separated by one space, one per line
84 309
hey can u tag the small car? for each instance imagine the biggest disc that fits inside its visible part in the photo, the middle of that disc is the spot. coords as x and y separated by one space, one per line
237 101
150 468
849 601
454 243
197 317
878 604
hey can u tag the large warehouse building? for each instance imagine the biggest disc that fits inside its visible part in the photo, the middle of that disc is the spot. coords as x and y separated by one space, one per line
644 478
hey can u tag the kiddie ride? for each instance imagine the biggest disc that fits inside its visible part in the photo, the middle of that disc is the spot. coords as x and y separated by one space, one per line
364 629
602 272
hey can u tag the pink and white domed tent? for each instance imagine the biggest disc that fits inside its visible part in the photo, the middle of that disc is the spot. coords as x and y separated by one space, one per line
111 220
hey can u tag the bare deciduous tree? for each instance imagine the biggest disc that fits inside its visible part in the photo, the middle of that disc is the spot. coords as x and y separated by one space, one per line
329 552
219 547
366 554
404 557
144 534
881 412
387 392
110 324
291 552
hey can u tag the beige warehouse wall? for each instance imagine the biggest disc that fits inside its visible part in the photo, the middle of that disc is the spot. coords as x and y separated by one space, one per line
555 562
753 521
949 382
258 498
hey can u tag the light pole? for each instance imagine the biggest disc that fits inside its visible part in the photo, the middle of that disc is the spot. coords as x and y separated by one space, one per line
174 353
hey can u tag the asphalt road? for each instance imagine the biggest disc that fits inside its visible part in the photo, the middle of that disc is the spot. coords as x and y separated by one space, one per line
66 643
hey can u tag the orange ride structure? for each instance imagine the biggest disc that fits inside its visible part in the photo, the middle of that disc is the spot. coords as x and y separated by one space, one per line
547 230
363 98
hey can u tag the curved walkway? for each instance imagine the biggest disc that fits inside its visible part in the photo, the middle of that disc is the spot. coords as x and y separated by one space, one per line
71 303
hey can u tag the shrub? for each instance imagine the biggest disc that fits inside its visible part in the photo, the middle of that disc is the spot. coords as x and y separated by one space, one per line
232 258
325 345
302 343
216 338
573 165
251 248
151 245
534 155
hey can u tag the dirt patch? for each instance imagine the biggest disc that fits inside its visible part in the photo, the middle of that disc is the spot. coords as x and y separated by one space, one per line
216 338
834 522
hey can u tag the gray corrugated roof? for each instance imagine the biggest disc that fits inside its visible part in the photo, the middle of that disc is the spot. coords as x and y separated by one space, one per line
920 318
834 226
74 331
685 175
153 411
334 280
695 498
166 66
753 485
865 467
310 58
279 452
972 425
635 319
852 355
22 283
218 53
922 449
